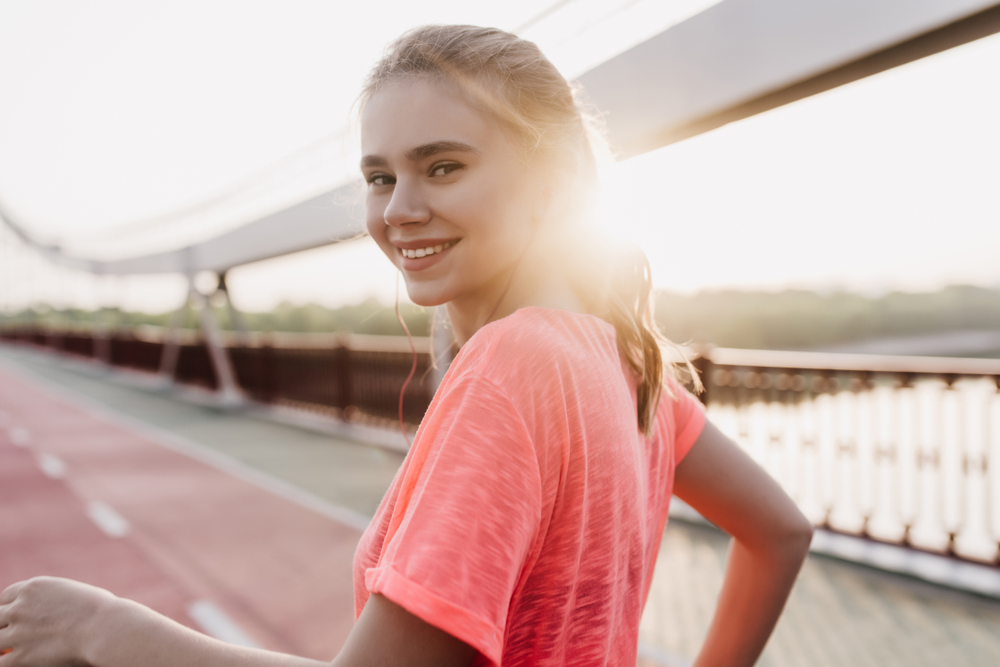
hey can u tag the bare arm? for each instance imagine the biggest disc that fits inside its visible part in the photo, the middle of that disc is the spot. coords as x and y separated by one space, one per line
387 634
51 621
770 541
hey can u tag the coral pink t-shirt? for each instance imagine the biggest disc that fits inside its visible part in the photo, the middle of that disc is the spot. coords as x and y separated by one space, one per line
526 518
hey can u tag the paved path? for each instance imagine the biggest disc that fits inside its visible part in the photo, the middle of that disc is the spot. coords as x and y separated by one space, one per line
211 545
340 471
193 537
839 614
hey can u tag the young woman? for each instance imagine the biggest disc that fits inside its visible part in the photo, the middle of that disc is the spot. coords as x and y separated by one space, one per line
523 526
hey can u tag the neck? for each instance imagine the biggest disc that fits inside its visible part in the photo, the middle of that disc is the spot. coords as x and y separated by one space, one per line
531 282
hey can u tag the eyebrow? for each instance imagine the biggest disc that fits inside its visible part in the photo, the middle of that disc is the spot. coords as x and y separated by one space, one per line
422 152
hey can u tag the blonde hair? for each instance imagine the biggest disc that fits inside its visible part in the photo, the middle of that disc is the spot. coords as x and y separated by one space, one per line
511 82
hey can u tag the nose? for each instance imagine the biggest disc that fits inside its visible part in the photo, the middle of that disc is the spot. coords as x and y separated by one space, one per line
406 206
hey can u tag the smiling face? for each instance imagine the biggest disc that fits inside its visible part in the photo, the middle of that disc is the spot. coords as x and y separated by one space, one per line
449 201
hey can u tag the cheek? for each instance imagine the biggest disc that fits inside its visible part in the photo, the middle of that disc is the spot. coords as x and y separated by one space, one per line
503 222
496 209
375 223
374 215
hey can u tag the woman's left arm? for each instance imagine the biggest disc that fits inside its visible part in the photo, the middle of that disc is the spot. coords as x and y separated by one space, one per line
770 541
48 621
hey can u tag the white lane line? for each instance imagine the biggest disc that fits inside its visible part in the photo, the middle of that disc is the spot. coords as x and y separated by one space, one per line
216 623
19 436
279 487
107 519
240 470
52 465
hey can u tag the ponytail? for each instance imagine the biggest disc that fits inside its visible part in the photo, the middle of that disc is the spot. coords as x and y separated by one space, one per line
618 288
650 355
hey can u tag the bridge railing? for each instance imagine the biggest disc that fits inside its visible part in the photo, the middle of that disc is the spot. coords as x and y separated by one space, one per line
898 449
353 377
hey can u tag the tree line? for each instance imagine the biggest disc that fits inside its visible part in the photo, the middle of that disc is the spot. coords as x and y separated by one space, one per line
790 319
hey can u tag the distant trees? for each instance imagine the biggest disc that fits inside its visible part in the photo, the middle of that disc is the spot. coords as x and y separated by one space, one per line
368 317
795 319
792 319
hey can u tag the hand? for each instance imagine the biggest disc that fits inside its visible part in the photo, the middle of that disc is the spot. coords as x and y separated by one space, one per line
45 621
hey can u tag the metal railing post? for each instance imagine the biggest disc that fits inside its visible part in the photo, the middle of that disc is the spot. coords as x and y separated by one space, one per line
171 342
238 321
228 388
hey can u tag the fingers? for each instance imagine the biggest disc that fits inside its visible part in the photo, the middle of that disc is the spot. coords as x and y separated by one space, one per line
11 592
6 637
5 646
6 610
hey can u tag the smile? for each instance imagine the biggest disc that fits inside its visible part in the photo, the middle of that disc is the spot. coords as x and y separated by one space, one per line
413 253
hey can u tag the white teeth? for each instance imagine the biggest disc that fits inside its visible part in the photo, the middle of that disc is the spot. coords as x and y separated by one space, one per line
424 252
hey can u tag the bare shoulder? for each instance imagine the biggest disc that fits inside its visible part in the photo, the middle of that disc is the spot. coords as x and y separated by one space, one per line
729 489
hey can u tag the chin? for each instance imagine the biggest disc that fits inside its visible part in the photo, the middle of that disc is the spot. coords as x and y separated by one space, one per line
427 295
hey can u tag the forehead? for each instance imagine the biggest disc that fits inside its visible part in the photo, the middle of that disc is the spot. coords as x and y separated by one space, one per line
409 113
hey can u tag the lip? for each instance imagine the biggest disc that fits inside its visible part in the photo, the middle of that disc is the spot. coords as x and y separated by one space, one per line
411 264
423 243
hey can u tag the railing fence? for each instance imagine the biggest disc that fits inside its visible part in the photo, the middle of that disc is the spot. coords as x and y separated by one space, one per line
896 449
351 377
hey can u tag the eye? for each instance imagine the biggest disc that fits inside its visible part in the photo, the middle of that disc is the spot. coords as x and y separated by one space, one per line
378 178
445 168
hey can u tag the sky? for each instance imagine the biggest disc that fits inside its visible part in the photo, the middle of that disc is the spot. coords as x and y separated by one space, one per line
130 127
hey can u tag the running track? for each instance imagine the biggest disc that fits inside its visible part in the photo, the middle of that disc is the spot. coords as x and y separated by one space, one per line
86 497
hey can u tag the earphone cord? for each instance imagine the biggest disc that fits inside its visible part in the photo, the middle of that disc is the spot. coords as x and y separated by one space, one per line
413 368
413 346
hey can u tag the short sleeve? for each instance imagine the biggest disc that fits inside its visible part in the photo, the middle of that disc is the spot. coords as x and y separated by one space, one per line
466 518
688 417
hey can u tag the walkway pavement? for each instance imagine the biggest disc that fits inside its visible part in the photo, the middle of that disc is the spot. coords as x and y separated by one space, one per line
245 529
199 537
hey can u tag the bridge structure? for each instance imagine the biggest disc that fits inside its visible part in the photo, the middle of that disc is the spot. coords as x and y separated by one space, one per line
893 457
735 59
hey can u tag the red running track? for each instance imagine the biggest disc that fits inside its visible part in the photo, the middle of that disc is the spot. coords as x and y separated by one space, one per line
195 533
